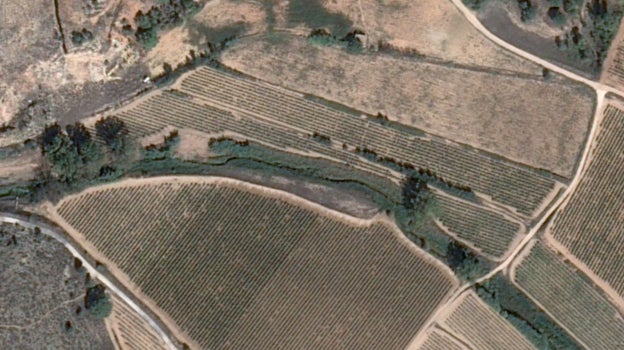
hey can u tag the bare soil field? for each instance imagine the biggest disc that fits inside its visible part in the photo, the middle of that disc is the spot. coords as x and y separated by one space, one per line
482 328
590 225
42 296
432 28
569 298
541 123
334 280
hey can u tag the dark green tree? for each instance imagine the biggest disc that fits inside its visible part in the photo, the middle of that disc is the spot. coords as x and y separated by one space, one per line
97 302
113 132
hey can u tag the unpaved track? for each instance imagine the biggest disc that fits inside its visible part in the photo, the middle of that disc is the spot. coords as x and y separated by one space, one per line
601 91
10 219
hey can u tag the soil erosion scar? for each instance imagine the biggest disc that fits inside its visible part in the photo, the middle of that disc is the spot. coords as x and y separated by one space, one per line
60 26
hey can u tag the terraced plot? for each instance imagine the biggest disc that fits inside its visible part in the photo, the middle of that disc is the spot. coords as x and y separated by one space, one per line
591 225
480 327
500 180
573 302
216 102
490 232
254 270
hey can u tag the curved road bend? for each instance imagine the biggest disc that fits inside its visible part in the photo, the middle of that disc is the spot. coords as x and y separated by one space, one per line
10 219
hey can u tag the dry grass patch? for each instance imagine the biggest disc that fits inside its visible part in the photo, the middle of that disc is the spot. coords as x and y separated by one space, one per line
433 28
533 121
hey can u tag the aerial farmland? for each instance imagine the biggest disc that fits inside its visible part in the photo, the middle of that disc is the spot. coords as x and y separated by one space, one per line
312 174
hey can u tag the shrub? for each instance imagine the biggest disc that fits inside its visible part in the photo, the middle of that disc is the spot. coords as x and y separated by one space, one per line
97 302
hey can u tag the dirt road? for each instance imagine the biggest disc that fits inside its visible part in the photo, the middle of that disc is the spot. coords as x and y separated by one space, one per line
11 219
601 91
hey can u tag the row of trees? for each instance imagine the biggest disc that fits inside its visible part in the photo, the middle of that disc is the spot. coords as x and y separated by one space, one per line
71 153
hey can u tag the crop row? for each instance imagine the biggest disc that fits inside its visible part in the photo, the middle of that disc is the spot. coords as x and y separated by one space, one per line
170 110
222 262
616 70
491 232
438 340
136 334
476 322
591 226
504 182
573 302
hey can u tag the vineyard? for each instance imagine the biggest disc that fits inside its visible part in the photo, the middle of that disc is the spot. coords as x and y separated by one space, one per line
131 330
243 254
482 328
591 225
439 340
214 102
490 232
570 299
614 71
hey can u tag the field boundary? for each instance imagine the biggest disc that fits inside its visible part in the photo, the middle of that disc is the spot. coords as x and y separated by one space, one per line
5 218
51 212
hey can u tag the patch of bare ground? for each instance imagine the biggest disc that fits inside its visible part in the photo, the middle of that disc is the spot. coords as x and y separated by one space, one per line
21 168
434 28
538 122
42 81
285 276
193 145
42 296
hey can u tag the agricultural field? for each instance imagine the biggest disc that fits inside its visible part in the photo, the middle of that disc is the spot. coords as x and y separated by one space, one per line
130 330
572 301
211 101
491 233
437 339
42 296
477 325
540 122
244 254
590 225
